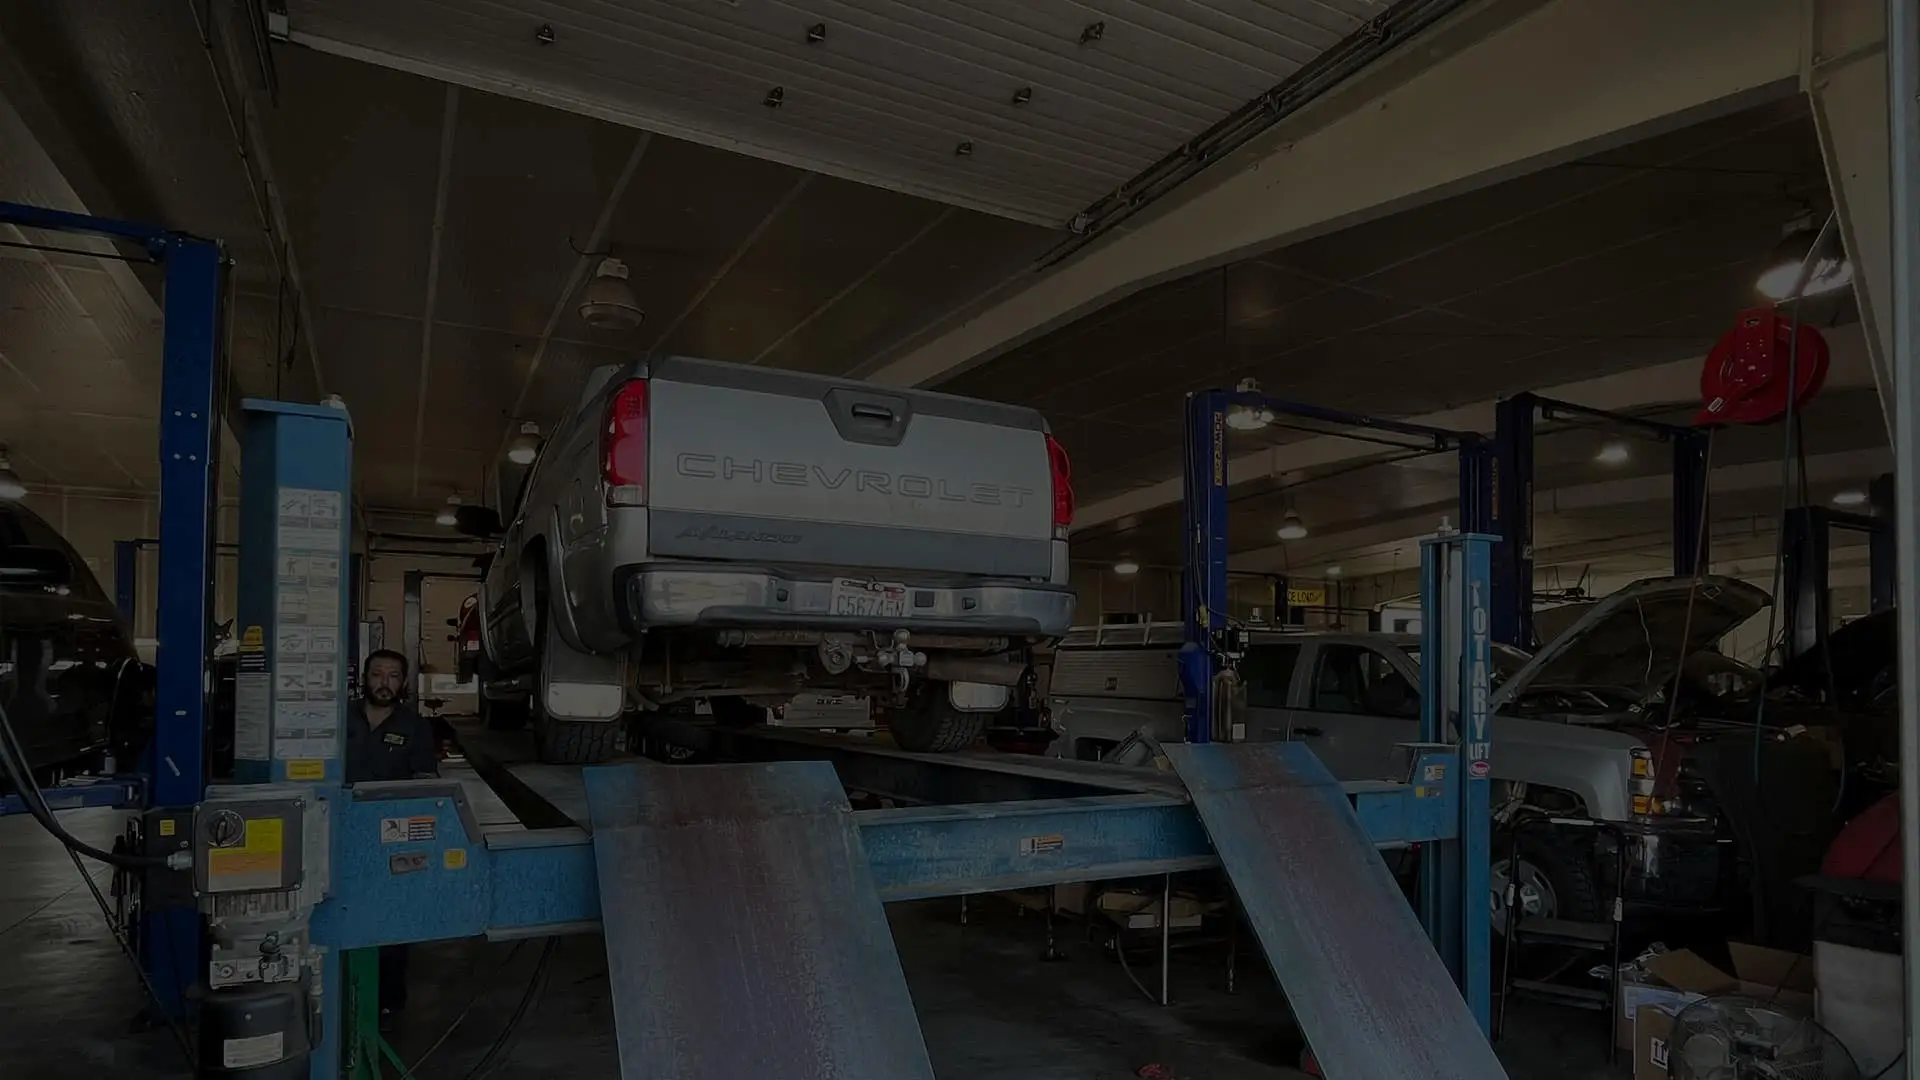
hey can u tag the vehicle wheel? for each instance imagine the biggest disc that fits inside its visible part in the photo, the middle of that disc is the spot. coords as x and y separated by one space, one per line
929 724
1554 881
575 742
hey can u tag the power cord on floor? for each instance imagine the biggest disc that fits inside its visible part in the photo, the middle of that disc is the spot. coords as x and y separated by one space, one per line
502 1046
13 762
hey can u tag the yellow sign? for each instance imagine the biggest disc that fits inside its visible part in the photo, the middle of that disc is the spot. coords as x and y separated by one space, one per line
253 639
166 826
306 770
260 851
454 858
1298 596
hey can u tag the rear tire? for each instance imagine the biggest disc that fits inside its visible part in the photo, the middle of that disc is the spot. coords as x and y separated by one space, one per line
929 724
575 742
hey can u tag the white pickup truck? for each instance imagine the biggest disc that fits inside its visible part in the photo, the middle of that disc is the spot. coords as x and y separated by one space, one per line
1575 726
702 531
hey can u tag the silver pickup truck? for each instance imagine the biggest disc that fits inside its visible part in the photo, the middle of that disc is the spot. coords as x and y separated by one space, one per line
701 531
1574 726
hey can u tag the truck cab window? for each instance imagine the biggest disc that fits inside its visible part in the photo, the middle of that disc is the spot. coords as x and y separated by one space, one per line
1355 679
1268 671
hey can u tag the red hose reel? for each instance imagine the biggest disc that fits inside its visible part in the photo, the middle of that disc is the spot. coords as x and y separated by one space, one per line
1745 379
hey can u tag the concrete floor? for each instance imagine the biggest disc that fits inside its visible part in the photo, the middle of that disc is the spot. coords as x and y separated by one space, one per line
990 1009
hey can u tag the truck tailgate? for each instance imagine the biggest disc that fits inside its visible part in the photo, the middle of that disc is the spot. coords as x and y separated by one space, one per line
758 464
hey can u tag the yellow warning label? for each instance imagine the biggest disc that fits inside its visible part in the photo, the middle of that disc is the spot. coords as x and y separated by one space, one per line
167 826
253 639
259 853
454 858
306 770
265 836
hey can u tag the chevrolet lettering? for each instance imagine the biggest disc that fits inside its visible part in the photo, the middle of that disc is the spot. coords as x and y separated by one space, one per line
800 474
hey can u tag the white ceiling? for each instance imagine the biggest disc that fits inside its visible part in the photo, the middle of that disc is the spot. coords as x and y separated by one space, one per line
1058 101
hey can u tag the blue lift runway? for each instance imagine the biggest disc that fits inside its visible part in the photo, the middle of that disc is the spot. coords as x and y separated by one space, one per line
744 934
741 904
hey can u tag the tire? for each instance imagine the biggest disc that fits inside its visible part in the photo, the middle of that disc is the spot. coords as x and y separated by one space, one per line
1566 870
575 742
929 724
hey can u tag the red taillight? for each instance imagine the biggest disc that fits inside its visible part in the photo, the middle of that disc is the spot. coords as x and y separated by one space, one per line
623 446
1062 470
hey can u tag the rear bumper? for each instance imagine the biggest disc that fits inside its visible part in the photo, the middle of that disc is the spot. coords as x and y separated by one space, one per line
668 595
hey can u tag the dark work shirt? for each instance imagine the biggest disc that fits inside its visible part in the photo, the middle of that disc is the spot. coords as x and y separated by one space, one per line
401 748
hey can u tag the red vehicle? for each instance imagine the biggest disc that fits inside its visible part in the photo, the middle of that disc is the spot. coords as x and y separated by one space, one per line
466 639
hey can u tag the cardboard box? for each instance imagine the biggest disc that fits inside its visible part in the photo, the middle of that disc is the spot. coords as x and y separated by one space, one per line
1679 978
1652 1025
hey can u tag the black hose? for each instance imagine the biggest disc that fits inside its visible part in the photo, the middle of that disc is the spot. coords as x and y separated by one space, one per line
13 761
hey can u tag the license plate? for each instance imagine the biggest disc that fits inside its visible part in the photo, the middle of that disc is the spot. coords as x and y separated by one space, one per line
471 646
869 599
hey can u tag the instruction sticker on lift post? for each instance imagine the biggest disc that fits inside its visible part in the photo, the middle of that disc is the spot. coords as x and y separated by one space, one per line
307 632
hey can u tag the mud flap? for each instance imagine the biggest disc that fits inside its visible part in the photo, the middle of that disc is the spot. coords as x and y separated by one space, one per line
577 686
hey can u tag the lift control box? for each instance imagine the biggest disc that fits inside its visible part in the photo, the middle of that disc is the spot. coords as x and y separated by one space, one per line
260 867
248 845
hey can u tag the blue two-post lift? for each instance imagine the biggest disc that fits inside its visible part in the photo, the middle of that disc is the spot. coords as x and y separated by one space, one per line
1511 502
191 358
1456 603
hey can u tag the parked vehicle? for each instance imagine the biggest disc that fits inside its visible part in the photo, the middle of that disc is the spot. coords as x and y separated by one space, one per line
69 675
706 531
1573 726
466 639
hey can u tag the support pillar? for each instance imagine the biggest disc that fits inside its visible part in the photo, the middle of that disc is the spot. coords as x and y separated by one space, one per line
1846 81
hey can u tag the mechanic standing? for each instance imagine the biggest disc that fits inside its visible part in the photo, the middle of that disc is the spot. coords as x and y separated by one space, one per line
388 740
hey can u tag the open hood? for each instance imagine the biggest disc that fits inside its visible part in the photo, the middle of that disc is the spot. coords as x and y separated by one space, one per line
1635 639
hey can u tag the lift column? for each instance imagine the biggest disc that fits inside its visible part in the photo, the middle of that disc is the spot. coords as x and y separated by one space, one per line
290 690
1455 657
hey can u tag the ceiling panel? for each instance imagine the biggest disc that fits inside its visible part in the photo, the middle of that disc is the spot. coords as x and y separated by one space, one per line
357 150
823 241
882 92
960 256
471 384
686 213
526 185
380 396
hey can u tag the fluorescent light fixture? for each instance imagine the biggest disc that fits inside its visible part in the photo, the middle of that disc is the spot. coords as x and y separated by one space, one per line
1333 571
526 445
449 514
1126 568
1292 528
1850 498
11 486
1614 453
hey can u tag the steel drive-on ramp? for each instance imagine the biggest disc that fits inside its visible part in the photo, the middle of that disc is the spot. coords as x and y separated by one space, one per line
744 936
1371 995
